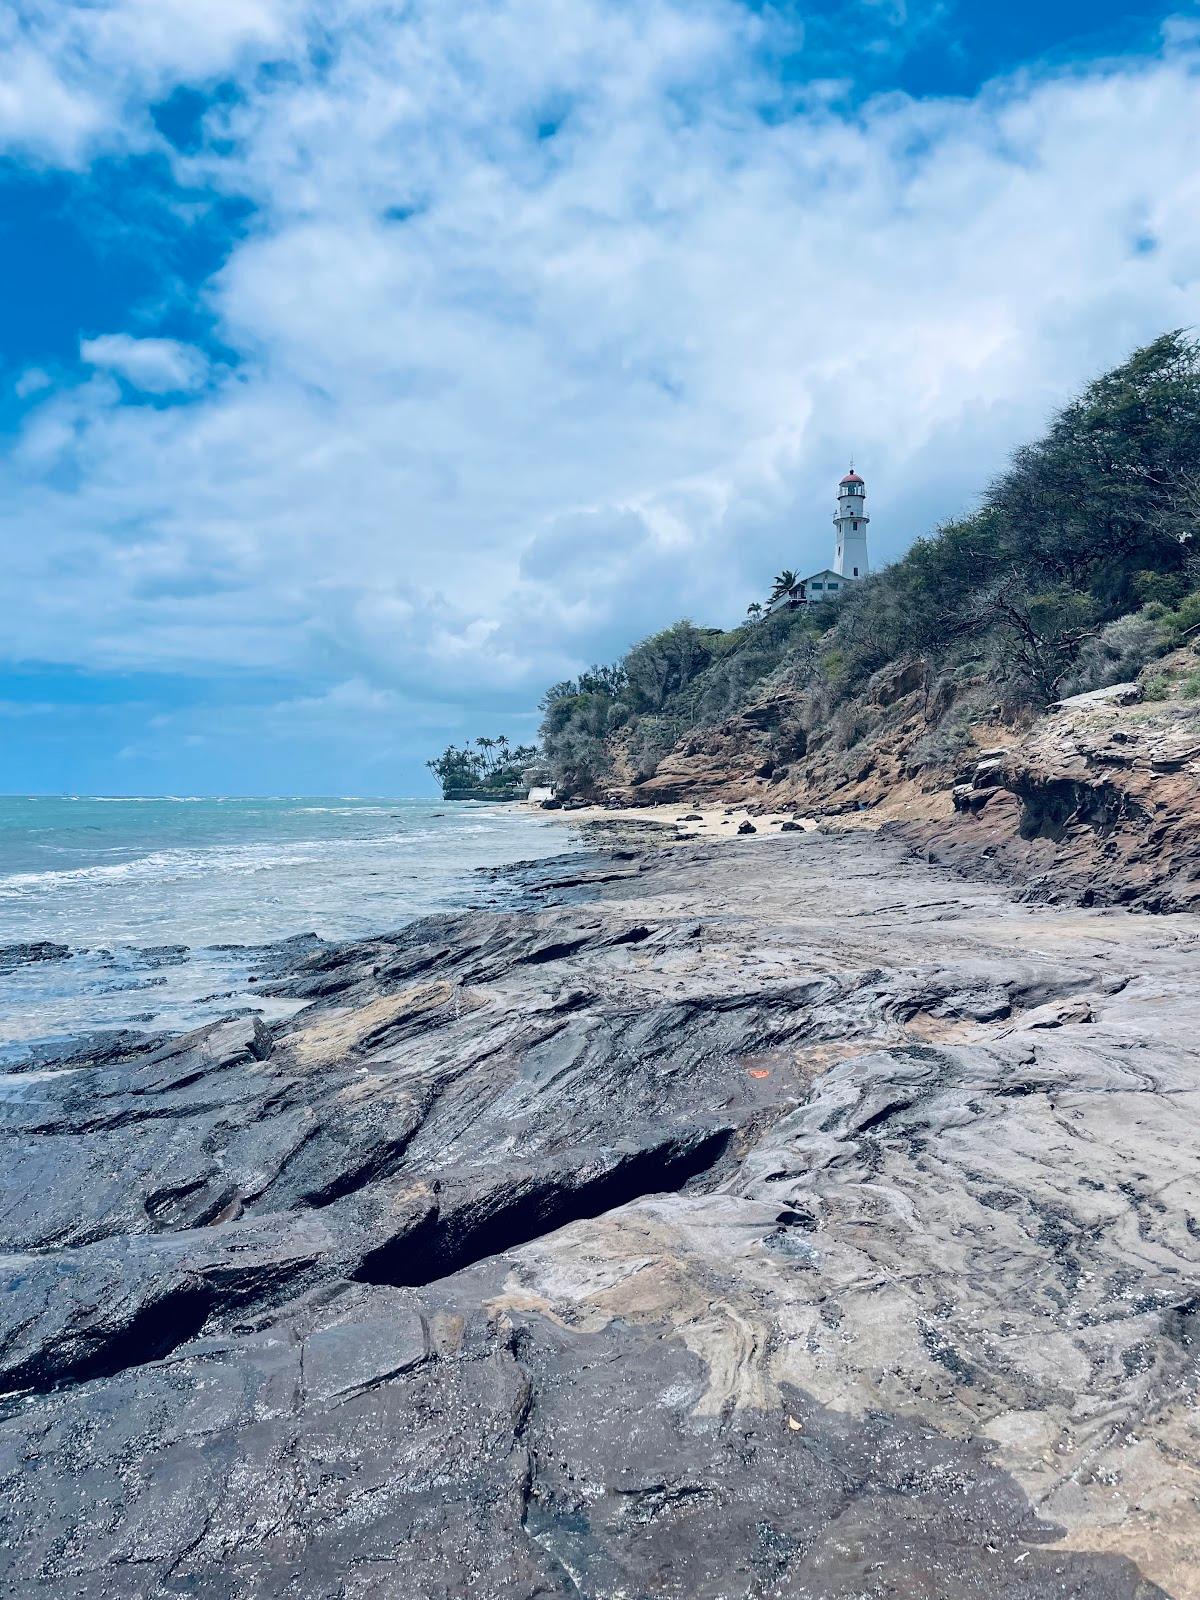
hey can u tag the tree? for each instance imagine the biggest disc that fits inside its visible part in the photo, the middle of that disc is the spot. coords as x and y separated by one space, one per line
787 587
754 610
1107 493
660 666
493 764
602 680
1037 634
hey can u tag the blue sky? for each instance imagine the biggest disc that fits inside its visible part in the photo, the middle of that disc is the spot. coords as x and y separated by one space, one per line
364 368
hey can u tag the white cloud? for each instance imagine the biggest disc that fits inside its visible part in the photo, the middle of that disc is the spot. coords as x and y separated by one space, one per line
78 75
159 366
588 382
38 110
32 381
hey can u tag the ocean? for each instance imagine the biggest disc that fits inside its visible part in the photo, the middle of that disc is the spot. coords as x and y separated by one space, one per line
162 901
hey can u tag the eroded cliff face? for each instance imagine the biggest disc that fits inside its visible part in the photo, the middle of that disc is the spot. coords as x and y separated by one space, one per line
777 1218
777 754
1099 804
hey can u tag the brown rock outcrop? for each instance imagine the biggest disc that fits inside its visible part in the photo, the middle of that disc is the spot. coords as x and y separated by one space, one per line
783 752
1098 804
734 761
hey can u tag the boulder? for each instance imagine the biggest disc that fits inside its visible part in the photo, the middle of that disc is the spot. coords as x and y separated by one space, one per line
988 774
893 683
1117 694
13 956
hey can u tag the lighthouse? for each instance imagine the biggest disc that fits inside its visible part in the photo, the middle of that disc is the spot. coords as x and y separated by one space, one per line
850 522
850 554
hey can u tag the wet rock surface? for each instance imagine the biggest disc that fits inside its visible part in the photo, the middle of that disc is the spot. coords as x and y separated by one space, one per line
774 1218
23 955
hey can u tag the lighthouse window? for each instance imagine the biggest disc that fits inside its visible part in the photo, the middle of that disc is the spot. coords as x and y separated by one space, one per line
856 572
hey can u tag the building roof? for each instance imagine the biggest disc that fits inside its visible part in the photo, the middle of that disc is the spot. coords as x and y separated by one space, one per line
851 477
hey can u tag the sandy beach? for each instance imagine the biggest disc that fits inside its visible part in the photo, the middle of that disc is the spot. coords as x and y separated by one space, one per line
688 822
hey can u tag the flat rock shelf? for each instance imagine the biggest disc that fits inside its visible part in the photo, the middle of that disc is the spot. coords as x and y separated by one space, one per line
766 1218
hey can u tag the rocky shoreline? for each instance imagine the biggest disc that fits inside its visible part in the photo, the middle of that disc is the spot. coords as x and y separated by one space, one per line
1099 804
774 1217
1096 802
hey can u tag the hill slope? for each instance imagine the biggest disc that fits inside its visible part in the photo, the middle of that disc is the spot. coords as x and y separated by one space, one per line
1078 570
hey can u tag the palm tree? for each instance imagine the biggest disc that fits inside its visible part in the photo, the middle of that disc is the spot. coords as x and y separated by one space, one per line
754 610
787 587
486 745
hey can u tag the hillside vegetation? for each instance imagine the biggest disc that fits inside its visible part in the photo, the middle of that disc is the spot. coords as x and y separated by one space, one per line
1077 570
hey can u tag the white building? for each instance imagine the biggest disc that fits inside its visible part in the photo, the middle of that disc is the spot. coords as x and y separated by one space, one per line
850 553
850 520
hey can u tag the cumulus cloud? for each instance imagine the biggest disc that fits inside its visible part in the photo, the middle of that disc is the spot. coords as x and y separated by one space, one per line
557 322
78 75
32 381
158 366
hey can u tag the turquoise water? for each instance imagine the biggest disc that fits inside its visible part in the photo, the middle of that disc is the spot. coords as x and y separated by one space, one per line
117 879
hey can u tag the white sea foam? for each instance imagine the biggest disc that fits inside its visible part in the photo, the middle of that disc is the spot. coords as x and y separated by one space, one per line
115 873
160 866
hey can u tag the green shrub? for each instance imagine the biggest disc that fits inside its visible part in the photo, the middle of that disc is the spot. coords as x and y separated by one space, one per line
1117 654
1180 623
1073 573
1165 589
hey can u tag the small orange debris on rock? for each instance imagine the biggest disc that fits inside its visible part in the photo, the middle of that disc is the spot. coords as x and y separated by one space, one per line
758 1072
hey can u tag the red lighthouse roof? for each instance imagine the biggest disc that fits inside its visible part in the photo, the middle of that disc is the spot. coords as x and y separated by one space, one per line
852 477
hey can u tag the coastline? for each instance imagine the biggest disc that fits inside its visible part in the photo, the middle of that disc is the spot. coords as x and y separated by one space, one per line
149 916
645 1212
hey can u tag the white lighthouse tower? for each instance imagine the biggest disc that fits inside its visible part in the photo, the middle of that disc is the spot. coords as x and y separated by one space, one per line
850 521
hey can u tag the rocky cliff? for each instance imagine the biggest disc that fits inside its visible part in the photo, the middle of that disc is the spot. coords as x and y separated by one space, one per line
778 752
1099 803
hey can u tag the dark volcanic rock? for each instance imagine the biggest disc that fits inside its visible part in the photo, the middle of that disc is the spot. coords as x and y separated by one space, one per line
93 1049
164 955
771 1222
13 956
